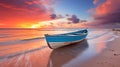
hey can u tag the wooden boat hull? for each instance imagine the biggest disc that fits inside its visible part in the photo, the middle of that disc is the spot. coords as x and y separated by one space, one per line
56 41
54 45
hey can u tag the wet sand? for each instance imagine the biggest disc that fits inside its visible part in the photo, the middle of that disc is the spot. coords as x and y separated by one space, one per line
110 57
88 53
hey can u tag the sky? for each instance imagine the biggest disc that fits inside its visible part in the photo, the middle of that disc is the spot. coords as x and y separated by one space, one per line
77 7
58 13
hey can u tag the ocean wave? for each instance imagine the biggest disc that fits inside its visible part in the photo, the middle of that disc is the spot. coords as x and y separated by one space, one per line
90 37
4 35
22 52
104 37
20 41
11 35
32 39
113 38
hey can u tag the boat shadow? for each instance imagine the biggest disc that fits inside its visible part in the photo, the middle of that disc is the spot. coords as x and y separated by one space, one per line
65 54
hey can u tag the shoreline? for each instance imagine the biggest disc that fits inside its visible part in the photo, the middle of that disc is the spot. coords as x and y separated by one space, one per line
109 57
102 51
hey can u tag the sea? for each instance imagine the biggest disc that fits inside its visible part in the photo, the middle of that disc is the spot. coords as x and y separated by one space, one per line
21 47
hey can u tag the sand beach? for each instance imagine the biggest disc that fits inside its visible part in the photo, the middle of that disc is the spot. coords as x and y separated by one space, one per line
99 50
110 57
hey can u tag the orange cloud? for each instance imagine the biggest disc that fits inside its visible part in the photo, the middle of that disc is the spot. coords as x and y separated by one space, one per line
108 12
24 13
104 8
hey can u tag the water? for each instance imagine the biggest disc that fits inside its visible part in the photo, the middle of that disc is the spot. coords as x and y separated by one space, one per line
28 48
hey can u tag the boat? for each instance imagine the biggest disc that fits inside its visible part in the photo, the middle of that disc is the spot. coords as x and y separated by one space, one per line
60 40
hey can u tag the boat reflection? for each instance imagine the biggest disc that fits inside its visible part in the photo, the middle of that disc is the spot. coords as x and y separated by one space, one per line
64 55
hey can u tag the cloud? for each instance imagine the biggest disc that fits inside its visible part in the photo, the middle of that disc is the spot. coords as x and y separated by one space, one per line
95 1
53 16
74 19
108 12
98 2
69 18
28 12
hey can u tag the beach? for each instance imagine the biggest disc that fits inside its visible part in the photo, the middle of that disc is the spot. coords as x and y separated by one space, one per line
100 49
110 57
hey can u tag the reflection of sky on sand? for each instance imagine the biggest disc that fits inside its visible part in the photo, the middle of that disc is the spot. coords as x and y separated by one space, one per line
92 47
61 56
21 47
35 53
33 58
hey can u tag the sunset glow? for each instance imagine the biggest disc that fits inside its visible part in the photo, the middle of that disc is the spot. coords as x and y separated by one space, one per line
36 13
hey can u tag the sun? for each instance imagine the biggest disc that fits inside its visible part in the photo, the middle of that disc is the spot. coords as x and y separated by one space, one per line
28 26
35 26
40 24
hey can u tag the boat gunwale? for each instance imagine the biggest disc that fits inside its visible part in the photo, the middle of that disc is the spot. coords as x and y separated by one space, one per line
71 33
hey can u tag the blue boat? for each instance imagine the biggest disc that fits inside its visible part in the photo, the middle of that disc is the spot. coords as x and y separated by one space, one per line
59 40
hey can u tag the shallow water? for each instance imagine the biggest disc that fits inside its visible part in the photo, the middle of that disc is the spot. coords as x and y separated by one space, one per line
28 48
